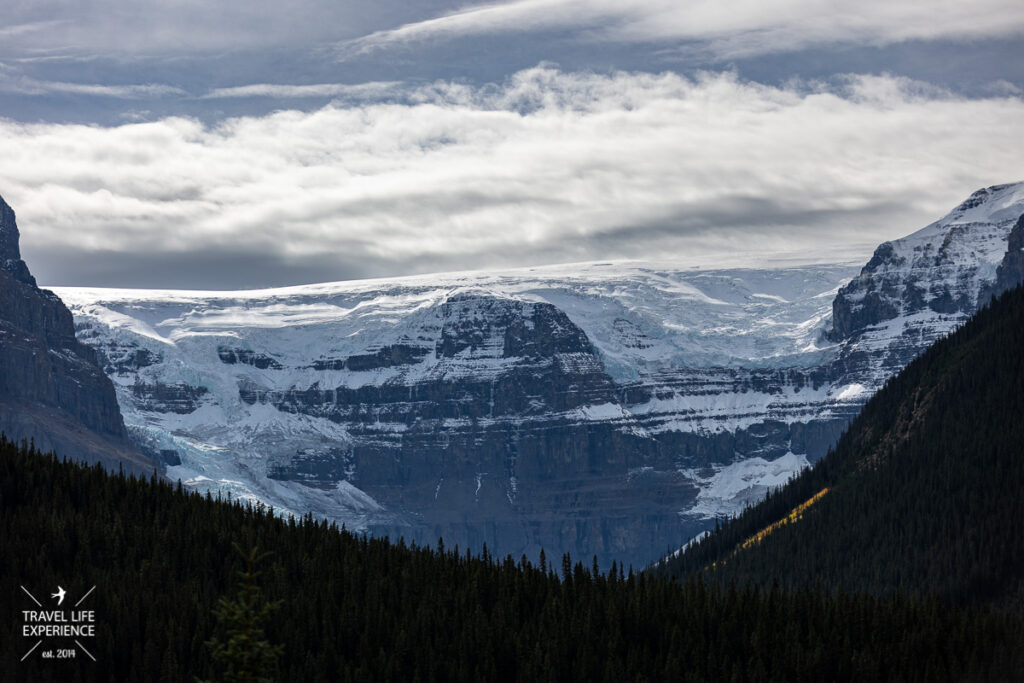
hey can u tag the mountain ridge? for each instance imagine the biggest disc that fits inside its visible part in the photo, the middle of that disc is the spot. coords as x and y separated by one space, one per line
427 407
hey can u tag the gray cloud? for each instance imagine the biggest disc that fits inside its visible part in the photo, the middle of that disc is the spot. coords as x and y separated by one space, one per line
548 166
44 28
174 27
728 30
12 30
106 61
31 86
200 267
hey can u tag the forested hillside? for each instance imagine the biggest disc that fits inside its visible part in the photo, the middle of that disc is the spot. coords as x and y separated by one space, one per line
922 494
353 609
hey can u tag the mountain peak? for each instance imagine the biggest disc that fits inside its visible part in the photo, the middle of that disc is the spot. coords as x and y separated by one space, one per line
990 205
1009 193
10 253
53 390
9 250
947 268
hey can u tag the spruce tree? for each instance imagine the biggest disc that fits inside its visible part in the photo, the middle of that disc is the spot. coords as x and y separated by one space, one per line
241 649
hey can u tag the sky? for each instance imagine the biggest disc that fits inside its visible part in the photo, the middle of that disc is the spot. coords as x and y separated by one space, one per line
229 145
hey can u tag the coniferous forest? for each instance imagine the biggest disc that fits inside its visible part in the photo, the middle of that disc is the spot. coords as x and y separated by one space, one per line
907 568
922 494
342 607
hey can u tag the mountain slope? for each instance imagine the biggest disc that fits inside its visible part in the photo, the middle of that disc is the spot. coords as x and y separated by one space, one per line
922 494
359 609
52 390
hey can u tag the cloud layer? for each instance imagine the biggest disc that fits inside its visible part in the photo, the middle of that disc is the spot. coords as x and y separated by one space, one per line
162 27
173 26
546 167
733 29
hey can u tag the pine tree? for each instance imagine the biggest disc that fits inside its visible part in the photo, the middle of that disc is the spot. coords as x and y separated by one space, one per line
243 652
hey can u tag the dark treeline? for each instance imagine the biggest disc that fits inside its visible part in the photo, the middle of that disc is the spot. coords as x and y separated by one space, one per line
358 609
925 488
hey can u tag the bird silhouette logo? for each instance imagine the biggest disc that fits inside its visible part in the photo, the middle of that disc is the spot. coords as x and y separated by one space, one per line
59 595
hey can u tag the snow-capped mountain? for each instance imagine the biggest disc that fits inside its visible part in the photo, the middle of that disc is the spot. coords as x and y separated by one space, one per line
606 408
918 288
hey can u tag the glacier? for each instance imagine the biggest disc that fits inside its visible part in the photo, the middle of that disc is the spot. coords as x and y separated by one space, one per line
611 409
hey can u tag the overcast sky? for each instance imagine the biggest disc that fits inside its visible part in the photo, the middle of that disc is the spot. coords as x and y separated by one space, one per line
186 143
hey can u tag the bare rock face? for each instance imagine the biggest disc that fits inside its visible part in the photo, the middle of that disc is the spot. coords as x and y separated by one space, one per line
1011 270
52 391
10 253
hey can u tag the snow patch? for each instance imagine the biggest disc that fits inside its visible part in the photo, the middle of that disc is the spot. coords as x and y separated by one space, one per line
852 392
731 488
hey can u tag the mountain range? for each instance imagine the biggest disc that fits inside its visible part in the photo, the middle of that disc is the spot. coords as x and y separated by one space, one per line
919 498
609 409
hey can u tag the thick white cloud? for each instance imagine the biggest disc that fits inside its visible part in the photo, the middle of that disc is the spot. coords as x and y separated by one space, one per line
728 29
547 167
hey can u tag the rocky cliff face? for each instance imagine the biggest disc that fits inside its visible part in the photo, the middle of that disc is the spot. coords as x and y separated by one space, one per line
1011 270
601 409
10 249
917 289
51 389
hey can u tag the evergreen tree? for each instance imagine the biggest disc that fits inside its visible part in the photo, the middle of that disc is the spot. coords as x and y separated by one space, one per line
243 651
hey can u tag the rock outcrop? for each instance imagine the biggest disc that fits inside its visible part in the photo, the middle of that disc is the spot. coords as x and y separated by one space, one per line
52 391
1011 270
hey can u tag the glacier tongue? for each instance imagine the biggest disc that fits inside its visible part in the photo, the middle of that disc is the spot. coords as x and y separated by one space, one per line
603 408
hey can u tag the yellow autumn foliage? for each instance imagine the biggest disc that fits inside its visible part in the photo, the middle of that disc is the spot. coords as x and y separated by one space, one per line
794 515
